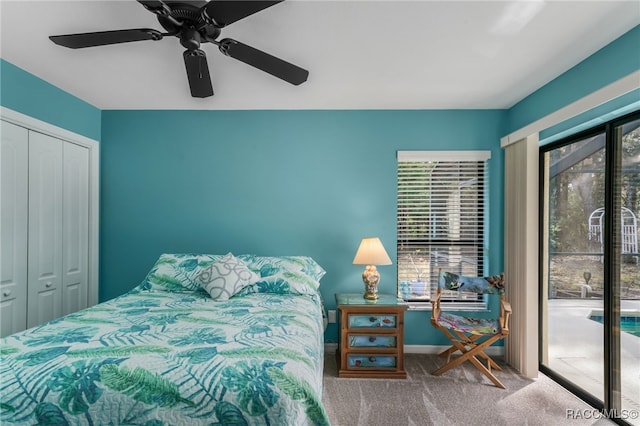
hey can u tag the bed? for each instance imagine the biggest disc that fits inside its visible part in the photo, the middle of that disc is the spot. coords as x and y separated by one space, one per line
203 340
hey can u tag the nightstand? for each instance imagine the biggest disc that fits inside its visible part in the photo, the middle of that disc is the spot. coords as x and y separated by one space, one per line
371 336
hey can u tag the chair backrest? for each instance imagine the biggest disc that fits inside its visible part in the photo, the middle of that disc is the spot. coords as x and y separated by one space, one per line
487 285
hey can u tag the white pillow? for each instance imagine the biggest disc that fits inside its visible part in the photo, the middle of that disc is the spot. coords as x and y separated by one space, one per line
226 277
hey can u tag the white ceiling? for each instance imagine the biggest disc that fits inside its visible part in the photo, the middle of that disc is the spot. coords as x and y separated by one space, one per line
360 54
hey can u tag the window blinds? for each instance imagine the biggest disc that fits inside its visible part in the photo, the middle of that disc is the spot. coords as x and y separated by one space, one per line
440 218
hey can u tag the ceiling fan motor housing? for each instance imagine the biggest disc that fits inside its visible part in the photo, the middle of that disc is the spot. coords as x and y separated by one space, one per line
187 22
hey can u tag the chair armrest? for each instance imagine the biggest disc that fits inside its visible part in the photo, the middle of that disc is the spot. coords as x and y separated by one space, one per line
435 304
505 313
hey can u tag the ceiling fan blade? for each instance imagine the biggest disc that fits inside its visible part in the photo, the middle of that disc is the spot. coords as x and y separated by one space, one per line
153 4
225 12
102 38
263 61
198 73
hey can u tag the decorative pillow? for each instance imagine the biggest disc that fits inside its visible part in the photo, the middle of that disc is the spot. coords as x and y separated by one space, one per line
271 265
177 272
226 277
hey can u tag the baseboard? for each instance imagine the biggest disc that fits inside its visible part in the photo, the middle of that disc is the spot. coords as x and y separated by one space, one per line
330 348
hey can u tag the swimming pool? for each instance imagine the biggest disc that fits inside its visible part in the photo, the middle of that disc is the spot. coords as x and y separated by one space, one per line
629 321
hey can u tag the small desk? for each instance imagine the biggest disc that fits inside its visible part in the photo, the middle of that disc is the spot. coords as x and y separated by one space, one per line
371 336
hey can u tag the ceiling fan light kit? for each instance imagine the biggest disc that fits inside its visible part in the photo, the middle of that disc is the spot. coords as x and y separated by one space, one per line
194 23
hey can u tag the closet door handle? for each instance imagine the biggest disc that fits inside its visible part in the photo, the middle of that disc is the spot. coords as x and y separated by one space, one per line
48 284
6 293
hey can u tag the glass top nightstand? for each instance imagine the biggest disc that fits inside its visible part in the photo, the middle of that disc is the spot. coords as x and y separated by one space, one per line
371 336
355 299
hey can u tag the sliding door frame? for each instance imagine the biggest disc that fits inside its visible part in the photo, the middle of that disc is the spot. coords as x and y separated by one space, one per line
611 269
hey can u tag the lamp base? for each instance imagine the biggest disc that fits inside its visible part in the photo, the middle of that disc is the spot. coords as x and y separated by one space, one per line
371 278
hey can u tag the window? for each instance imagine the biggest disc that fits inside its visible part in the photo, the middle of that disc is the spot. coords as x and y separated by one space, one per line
441 214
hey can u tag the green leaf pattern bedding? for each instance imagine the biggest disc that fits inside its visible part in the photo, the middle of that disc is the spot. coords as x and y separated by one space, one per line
153 357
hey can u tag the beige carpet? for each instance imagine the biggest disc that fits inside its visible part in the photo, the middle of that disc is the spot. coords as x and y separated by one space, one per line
461 396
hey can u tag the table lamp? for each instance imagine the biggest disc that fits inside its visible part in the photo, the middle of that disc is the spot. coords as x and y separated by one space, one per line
371 253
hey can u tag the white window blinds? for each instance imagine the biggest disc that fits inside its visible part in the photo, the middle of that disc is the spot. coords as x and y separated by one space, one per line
440 219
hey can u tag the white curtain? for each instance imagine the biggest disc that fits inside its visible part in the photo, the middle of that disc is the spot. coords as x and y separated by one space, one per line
521 253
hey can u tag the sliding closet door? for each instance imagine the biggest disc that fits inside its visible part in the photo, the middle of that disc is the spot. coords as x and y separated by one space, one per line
13 228
45 229
75 256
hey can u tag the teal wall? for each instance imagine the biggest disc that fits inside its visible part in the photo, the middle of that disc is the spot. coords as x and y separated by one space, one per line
272 183
27 94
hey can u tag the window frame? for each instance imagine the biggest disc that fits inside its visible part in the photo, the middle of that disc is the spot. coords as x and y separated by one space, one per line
459 159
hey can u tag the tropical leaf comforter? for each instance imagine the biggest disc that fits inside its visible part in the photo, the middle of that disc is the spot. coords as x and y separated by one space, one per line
170 358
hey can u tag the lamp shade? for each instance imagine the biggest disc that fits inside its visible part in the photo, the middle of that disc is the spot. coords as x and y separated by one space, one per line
371 252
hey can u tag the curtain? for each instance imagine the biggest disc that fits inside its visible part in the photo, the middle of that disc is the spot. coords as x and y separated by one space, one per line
521 253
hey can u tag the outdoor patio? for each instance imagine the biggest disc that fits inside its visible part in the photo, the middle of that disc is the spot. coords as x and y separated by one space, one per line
576 348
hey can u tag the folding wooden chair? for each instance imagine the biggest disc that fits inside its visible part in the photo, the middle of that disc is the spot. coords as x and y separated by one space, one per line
471 336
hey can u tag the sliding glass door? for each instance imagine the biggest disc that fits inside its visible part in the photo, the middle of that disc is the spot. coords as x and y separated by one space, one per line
590 275
625 300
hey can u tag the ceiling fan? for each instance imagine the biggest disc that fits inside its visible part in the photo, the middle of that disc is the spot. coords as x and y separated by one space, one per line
196 22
